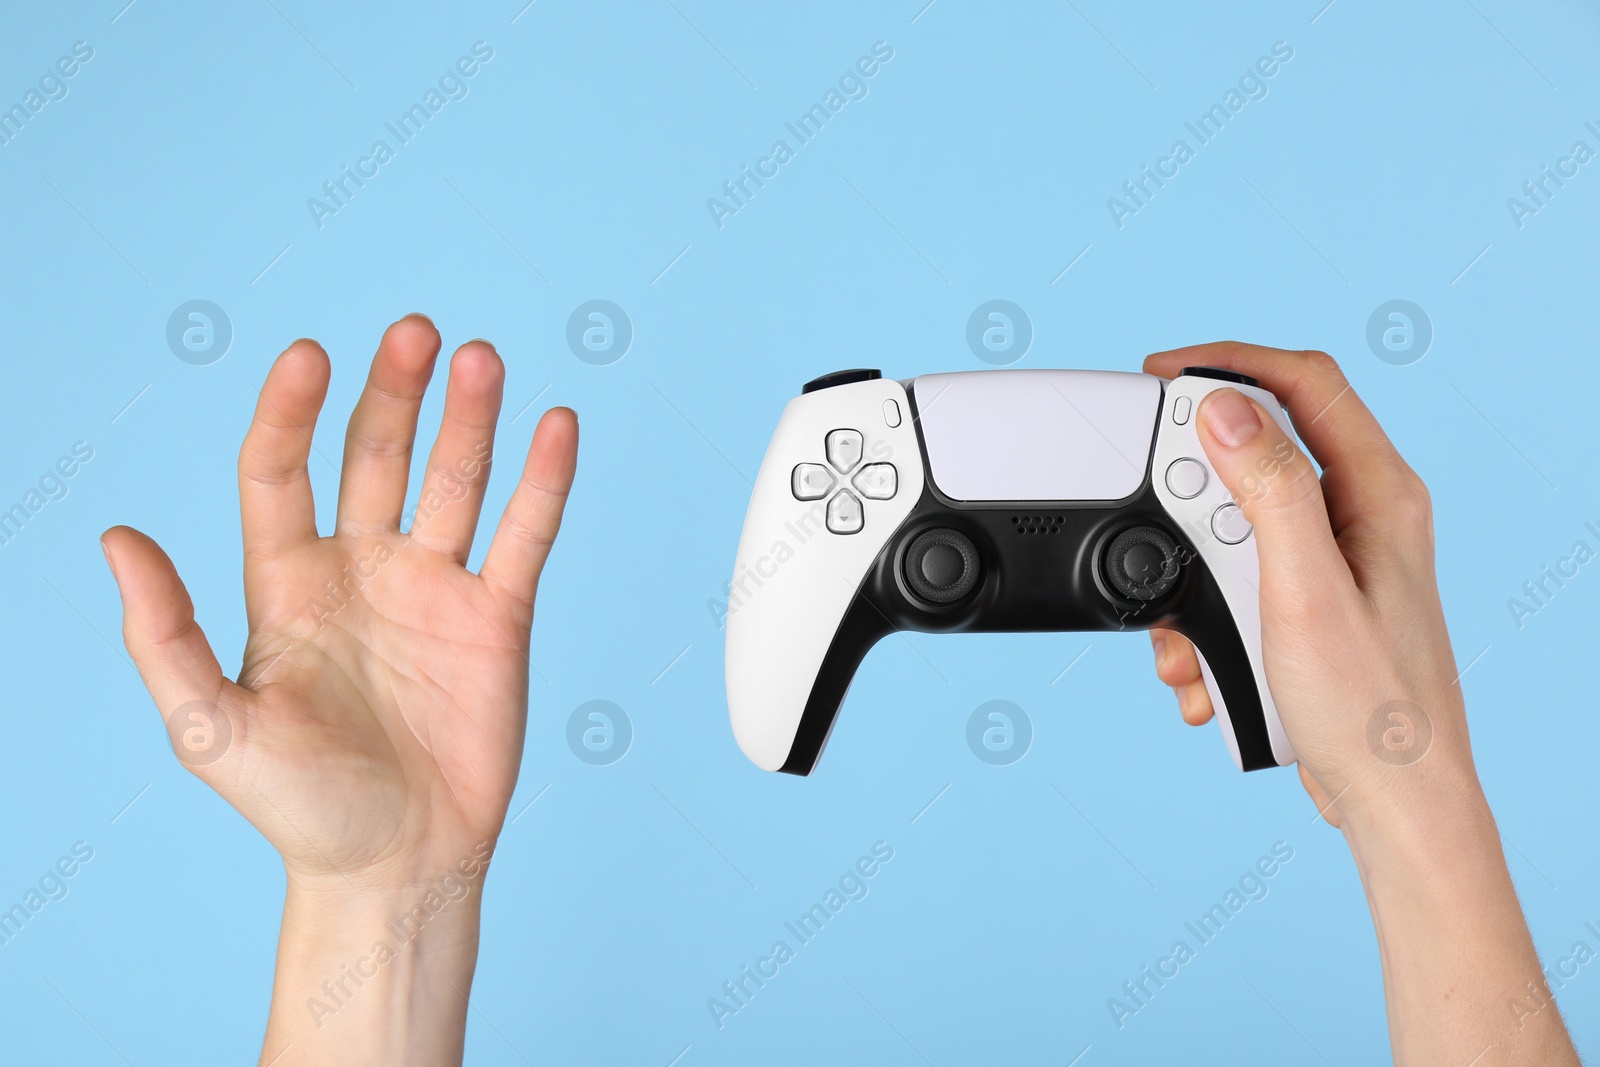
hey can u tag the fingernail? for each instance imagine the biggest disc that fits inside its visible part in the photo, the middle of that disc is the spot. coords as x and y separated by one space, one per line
109 561
1230 417
1161 651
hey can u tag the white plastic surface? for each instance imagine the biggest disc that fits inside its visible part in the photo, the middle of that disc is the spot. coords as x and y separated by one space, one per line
793 579
1236 568
1037 434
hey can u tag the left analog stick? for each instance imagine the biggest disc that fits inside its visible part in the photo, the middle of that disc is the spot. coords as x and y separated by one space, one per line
941 566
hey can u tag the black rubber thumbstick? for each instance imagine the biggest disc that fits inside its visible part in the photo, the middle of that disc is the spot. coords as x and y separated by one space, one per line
941 566
1142 563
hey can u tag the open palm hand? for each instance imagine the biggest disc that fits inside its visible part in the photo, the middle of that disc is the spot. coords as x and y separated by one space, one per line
376 726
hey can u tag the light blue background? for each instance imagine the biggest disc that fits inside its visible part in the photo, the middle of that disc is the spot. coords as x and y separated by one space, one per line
978 167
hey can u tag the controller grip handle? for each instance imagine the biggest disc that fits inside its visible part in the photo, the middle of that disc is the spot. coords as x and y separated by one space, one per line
1235 680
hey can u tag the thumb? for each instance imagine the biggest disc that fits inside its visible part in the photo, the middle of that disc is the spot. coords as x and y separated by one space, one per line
1273 483
169 648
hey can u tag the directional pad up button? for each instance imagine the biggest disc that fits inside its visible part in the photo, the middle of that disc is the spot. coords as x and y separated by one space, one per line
811 481
844 450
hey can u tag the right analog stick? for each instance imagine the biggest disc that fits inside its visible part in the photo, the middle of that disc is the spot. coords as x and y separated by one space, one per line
941 566
1142 563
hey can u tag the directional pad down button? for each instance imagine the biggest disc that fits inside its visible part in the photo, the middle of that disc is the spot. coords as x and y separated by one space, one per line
844 512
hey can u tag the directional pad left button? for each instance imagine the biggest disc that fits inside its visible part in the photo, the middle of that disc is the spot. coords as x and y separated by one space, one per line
811 481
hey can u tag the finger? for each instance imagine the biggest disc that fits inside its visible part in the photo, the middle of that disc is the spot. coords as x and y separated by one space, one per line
383 428
458 466
275 504
528 528
1338 429
1319 796
1176 662
1275 485
169 648
1194 703
1178 666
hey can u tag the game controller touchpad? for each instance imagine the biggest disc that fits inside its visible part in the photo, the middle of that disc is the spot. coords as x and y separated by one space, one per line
1037 435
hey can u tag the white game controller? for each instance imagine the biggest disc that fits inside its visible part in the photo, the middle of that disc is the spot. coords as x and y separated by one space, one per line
989 501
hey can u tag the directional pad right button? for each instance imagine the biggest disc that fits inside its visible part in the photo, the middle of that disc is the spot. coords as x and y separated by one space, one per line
844 449
876 481
844 513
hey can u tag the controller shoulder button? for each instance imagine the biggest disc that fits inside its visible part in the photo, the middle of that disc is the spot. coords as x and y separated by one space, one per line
1220 375
841 377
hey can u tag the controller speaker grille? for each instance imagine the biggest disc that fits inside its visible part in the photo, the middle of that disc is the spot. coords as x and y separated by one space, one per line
1037 524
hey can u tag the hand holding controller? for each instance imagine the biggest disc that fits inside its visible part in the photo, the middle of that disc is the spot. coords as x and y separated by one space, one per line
1354 636
1134 528
1000 501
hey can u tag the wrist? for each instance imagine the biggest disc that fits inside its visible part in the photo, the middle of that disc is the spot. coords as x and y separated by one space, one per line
377 970
1426 842
1424 821
1460 968
1420 807
1403 773
434 866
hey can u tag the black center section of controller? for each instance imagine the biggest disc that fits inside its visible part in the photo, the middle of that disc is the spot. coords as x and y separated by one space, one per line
1021 582
941 566
1141 563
